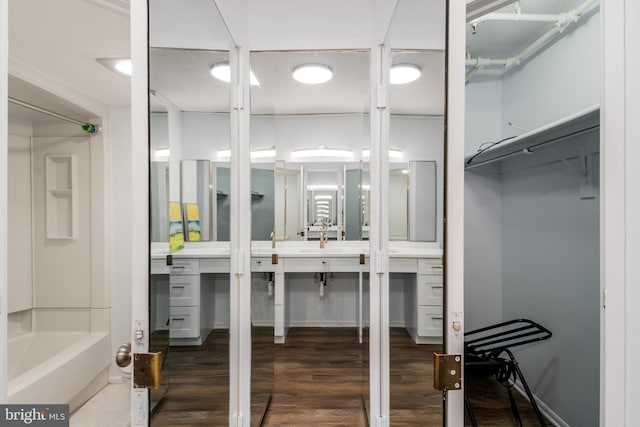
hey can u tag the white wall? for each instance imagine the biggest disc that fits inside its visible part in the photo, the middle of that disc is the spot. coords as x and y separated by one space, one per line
482 251
550 274
483 112
563 79
121 229
20 255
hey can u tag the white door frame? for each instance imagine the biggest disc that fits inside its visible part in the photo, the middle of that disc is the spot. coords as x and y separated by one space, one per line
454 197
140 201
619 213
4 131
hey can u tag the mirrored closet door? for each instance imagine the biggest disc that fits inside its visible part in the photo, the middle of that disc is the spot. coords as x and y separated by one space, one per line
189 211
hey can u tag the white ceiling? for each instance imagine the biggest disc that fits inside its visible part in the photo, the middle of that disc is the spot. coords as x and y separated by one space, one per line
59 41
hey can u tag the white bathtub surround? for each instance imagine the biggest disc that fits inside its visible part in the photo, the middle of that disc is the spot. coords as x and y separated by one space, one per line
57 367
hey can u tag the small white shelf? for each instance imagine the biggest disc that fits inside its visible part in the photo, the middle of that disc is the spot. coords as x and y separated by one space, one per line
61 196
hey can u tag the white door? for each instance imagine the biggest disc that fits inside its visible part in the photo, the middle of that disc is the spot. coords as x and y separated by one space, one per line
454 229
140 203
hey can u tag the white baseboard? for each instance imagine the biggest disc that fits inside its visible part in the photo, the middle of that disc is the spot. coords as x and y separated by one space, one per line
546 411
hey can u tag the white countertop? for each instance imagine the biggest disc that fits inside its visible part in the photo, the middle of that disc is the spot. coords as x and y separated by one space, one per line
300 249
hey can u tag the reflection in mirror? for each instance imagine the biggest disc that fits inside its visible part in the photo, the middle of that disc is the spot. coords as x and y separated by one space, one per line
159 177
318 132
315 129
198 203
412 201
189 120
416 131
262 200
323 201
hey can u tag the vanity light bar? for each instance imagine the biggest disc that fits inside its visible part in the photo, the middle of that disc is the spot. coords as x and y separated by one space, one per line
263 154
394 153
258 154
162 153
321 152
317 187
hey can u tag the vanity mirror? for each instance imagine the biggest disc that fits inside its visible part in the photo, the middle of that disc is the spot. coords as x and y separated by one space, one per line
159 174
416 131
190 127
318 132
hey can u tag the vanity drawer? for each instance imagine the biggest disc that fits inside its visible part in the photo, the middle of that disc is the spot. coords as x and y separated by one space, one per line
430 290
184 266
159 266
430 266
344 264
215 265
403 265
184 290
304 265
430 321
184 322
262 264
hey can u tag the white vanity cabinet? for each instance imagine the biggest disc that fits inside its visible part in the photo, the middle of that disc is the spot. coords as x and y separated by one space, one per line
186 318
424 306
190 309
429 301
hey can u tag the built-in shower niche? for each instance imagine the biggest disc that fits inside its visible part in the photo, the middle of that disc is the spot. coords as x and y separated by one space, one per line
61 196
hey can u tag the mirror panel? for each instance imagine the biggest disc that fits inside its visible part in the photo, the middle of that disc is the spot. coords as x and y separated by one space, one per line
317 132
189 121
416 191
159 176
263 198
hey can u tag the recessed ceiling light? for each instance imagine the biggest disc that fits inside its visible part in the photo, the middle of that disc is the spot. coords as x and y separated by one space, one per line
119 65
312 73
222 72
404 73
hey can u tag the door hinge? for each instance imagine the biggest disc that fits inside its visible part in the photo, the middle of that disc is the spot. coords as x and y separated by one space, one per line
447 369
147 370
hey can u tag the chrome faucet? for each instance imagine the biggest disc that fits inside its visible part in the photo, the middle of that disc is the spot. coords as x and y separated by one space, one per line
273 239
323 236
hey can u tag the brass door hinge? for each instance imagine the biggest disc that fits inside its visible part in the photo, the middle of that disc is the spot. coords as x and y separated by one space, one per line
447 369
147 370
274 259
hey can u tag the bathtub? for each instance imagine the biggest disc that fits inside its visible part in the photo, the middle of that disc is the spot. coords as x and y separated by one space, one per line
57 367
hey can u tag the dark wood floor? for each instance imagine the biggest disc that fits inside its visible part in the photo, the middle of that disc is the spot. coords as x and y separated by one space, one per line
318 378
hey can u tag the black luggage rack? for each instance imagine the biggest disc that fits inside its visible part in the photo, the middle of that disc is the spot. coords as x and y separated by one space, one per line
488 353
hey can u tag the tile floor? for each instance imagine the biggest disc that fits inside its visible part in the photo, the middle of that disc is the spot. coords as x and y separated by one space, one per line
108 408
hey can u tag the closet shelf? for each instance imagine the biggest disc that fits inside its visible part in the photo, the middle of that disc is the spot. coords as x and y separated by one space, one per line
577 124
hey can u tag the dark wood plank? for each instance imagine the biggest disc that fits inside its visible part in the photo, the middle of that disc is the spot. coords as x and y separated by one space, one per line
320 378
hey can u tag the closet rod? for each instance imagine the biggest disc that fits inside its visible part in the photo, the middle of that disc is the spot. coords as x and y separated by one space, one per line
87 127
